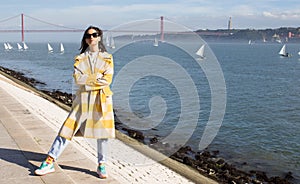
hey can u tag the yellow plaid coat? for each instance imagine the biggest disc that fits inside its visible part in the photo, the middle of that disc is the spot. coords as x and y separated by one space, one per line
92 110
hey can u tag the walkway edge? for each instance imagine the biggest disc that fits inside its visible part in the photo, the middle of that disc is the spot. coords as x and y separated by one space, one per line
176 166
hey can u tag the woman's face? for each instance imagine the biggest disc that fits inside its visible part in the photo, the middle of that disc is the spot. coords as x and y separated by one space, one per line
92 37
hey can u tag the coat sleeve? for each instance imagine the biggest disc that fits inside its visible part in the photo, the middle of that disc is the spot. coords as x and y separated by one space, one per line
80 74
106 78
83 79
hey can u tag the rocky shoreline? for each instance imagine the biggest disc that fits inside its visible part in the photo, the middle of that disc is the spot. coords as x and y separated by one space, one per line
205 162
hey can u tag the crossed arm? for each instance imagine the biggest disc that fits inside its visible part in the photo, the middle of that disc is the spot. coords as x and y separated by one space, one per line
94 81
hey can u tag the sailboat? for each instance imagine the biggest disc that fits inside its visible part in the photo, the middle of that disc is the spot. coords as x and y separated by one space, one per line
283 52
25 47
107 41
62 49
9 46
200 52
5 46
264 40
112 43
50 49
155 44
19 46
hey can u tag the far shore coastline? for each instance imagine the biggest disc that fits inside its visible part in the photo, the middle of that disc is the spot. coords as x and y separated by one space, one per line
206 162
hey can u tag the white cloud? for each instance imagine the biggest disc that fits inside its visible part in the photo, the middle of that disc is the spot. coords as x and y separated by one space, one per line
269 15
242 10
283 15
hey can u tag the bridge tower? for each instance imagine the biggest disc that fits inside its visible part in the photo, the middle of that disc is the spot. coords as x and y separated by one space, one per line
161 28
22 21
229 24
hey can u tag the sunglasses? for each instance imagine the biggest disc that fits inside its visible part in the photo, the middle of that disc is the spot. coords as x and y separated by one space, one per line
95 35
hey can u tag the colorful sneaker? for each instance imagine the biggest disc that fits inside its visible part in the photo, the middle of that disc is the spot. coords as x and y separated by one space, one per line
101 171
44 169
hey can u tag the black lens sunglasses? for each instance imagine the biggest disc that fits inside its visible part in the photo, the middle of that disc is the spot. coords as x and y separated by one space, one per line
95 35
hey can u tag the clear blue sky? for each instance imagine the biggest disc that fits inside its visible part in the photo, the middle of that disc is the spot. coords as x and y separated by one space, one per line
194 14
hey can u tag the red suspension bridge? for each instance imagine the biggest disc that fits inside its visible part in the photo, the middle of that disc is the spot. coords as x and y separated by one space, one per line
23 30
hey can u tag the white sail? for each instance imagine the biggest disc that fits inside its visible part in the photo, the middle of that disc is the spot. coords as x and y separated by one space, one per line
50 49
25 46
9 46
155 44
282 51
19 46
62 48
5 46
112 43
107 41
200 52
264 40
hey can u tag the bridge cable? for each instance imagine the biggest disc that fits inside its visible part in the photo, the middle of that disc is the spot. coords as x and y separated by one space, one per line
39 20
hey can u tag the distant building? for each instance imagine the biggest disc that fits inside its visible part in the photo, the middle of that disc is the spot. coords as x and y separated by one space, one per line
229 24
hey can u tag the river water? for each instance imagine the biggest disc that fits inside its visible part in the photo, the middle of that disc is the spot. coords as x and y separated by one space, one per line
261 125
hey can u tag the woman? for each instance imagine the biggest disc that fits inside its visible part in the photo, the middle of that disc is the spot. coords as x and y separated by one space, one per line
92 112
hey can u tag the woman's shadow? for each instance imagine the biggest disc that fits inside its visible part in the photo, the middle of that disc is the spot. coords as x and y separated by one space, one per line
23 158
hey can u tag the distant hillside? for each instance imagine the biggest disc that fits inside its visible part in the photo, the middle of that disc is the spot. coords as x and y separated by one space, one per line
284 34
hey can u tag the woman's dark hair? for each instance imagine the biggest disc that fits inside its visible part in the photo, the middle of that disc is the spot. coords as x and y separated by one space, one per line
84 45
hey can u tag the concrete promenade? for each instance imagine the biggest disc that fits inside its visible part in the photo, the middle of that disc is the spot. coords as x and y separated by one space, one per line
29 124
